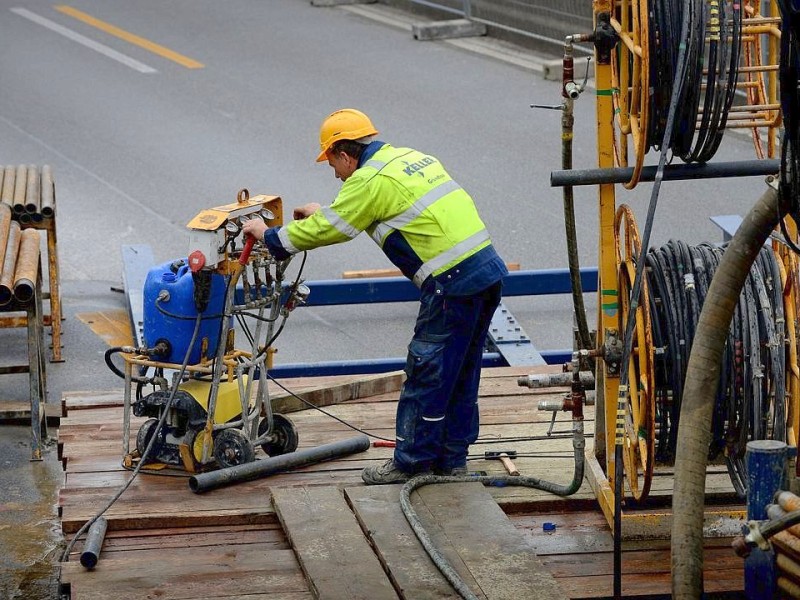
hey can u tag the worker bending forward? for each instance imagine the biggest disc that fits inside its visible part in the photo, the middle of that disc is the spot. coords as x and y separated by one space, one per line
429 228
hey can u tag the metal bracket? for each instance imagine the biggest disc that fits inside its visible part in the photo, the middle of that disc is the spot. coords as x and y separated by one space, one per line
507 337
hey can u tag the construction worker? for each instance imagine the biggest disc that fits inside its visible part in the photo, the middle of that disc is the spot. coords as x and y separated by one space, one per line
428 226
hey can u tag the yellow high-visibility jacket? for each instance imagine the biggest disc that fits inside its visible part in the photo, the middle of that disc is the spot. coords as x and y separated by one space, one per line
425 222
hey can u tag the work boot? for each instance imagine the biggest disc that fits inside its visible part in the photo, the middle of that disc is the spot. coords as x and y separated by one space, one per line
386 473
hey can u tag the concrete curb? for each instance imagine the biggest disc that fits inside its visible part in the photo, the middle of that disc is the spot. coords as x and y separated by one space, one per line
486 46
441 30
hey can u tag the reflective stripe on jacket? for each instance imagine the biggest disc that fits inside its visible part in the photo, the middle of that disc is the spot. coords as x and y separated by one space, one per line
404 199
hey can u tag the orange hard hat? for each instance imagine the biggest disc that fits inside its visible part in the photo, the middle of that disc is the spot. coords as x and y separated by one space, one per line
344 124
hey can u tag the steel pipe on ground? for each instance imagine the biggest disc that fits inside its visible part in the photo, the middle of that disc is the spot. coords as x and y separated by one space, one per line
9 262
276 464
94 543
27 266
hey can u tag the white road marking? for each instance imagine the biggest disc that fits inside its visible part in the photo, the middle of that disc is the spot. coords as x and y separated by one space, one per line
89 43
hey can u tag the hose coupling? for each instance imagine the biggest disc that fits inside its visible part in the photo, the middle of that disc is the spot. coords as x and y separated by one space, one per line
605 38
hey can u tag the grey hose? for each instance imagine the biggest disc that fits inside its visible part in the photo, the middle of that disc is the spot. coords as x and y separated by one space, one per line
578 444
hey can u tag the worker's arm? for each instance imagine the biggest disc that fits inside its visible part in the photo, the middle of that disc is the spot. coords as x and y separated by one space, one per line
351 213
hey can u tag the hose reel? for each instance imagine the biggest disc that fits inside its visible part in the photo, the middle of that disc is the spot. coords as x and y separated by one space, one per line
751 402
711 39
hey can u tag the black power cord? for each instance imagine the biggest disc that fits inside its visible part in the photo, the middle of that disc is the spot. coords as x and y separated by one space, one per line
147 450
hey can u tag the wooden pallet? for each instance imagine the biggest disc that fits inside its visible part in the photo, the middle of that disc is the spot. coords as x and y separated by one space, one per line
318 532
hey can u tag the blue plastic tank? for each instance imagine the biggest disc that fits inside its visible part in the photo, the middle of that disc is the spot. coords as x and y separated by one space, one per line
176 319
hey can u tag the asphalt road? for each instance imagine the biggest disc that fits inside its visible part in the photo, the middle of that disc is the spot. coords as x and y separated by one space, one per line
139 143
138 148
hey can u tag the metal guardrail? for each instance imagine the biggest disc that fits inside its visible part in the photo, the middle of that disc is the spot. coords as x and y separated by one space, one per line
399 289
541 20
138 259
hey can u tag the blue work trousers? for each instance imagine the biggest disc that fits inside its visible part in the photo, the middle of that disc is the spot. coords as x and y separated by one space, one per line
437 416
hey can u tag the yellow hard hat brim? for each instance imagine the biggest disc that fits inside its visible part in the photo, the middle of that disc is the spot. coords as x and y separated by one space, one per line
323 156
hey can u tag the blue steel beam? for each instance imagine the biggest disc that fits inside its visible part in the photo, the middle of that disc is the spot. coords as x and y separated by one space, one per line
330 292
386 365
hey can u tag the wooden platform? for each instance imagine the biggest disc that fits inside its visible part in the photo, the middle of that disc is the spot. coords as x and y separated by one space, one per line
319 532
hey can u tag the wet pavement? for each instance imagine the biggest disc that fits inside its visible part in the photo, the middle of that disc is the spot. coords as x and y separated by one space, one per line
29 531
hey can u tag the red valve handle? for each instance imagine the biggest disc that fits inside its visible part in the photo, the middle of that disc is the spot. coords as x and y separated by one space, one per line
249 240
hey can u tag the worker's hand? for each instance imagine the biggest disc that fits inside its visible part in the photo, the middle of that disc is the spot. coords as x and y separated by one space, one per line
305 211
254 227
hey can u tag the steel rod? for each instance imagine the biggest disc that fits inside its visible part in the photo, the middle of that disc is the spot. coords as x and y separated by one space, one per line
20 183
276 464
33 195
9 261
48 202
94 543
5 227
7 191
745 168
27 266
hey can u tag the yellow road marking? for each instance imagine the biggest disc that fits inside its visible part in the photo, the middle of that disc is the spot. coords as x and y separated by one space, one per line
131 38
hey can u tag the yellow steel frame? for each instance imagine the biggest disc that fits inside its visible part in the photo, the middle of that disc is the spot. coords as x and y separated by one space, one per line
622 121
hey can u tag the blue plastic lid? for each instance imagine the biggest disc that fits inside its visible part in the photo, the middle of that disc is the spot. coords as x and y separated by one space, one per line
548 526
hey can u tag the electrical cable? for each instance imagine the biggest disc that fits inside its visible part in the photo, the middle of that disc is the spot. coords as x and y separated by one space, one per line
324 412
419 481
150 444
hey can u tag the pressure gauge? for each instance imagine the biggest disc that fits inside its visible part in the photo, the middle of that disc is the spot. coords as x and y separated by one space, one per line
232 228
267 214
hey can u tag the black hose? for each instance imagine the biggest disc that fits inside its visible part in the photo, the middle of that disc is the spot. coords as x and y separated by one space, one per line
145 453
419 481
110 364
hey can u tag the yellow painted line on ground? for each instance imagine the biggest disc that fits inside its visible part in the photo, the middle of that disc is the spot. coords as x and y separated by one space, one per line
131 38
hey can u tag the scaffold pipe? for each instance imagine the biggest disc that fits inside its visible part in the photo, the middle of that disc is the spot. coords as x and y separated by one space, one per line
743 168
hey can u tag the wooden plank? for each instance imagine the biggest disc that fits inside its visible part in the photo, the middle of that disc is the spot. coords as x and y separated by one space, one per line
336 558
319 391
362 386
500 558
205 573
112 326
13 412
378 510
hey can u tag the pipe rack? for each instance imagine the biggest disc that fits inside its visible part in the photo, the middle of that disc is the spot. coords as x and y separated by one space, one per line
20 292
29 193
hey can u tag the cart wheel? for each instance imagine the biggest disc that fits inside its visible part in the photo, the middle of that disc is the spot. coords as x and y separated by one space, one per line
231 448
146 432
284 435
194 439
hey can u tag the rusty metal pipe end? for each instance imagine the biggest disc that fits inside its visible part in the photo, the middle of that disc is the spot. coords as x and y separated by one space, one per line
23 290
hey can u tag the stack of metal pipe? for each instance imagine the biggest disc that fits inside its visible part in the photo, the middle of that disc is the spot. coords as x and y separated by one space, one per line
19 259
29 192
787 545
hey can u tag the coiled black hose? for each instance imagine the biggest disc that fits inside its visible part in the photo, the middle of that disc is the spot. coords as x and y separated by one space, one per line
713 42
751 394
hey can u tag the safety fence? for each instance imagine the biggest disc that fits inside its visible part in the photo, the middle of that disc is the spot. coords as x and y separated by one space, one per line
540 20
